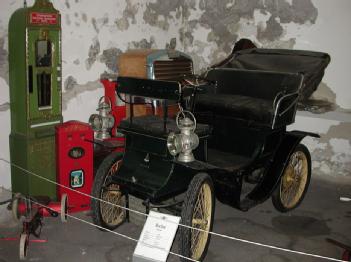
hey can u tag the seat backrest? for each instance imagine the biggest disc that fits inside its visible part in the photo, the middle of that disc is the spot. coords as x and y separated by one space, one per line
158 89
254 83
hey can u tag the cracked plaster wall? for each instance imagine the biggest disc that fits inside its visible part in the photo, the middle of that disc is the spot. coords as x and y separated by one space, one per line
94 33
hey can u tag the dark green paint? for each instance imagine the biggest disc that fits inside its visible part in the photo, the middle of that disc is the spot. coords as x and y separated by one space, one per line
32 139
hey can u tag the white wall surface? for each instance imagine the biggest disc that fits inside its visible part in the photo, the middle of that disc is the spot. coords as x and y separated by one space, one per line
92 28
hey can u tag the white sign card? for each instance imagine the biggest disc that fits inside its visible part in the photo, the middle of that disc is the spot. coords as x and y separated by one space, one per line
156 238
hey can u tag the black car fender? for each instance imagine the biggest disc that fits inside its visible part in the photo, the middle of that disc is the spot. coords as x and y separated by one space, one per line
275 168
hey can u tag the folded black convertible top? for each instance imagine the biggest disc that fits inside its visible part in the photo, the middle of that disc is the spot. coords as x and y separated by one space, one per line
310 64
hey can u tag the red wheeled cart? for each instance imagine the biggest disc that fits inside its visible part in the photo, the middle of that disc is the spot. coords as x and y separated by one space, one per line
33 210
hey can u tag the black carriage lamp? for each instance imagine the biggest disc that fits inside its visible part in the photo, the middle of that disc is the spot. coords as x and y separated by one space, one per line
185 142
103 122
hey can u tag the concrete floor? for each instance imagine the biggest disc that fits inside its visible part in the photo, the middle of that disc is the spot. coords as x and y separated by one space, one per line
321 215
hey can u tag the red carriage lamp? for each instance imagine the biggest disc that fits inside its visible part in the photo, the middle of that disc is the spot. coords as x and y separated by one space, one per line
185 142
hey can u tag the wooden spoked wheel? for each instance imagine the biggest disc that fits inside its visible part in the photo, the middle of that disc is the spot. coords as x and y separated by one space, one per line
202 218
197 212
108 211
295 180
112 197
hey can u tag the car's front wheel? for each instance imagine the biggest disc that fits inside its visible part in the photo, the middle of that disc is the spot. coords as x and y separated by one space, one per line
108 200
198 213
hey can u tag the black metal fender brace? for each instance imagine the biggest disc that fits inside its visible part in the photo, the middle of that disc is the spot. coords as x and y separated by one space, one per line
272 175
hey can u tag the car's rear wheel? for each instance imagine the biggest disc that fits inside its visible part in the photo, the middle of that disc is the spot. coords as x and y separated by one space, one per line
108 202
198 213
294 182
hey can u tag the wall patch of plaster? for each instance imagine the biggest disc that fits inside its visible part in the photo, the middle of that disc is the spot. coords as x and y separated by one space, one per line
216 16
342 131
172 44
200 64
68 19
299 11
70 83
110 58
321 101
272 31
67 4
77 90
223 19
342 154
95 26
84 17
303 11
4 107
342 146
333 156
160 12
281 44
279 8
100 22
143 44
186 37
94 50
4 66
129 14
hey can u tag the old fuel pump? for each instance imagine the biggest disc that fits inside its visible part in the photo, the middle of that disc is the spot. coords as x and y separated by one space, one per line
35 96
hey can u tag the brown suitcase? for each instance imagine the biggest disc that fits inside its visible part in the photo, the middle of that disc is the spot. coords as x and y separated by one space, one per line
136 63
133 64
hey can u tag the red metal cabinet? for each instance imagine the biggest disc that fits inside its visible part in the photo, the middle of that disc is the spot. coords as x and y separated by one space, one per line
74 153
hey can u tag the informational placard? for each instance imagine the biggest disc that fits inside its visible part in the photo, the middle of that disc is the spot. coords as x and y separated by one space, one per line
157 237
43 18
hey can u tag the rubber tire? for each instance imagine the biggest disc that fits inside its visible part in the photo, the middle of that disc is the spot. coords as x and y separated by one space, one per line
23 247
184 238
276 199
64 208
97 185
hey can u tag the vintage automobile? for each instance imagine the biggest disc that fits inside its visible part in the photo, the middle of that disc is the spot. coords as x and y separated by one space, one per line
228 142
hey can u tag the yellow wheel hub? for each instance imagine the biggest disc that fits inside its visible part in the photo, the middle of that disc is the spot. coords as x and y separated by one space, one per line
294 179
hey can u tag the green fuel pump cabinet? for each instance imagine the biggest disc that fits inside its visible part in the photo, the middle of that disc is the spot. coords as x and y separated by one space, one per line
35 96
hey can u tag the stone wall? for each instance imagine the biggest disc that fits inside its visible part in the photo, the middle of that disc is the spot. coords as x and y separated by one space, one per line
96 32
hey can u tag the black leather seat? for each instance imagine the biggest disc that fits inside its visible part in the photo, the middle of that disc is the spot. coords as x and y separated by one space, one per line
263 98
238 106
154 126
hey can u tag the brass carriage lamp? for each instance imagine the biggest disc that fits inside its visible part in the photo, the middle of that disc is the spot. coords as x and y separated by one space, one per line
185 142
103 122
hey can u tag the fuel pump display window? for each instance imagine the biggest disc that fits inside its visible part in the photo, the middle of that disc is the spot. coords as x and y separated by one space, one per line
43 53
44 90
